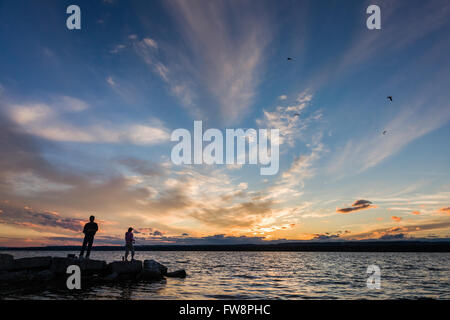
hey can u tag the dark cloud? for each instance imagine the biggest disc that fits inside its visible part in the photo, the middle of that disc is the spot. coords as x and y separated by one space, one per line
21 154
79 190
107 194
99 240
357 205
37 220
143 230
394 231
146 232
223 239
398 236
328 236
361 203
154 240
325 236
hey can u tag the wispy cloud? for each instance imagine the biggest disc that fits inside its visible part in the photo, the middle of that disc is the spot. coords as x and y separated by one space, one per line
46 121
415 115
292 180
291 120
414 120
225 64
400 29
117 48
149 51
110 81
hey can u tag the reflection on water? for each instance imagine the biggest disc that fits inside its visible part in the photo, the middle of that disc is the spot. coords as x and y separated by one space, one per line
271 275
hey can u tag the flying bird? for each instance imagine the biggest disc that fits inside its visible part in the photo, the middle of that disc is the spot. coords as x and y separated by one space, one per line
289 58
384 132
390 98
297 115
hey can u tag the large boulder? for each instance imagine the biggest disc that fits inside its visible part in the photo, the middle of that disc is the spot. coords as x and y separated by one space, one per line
32 263
15 276
6 262
59 265
148 275
177 274
44 275
93 265
125 267
155 266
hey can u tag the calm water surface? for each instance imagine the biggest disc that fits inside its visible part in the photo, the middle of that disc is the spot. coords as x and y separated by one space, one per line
271 275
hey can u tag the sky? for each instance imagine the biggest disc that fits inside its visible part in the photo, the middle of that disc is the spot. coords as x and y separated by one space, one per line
86 118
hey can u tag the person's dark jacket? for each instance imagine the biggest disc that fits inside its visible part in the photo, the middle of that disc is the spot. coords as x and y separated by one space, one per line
90 229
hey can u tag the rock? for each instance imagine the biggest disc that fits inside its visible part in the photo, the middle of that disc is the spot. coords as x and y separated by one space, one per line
177 274
15 276
43 270
124 267
45 275
93 265
59 265
6 262
32 263
155 266
148 274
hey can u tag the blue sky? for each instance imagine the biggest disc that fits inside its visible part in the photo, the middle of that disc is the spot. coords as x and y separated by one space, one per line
87 115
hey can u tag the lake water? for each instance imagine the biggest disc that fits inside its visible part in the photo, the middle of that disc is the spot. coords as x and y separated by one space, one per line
270 275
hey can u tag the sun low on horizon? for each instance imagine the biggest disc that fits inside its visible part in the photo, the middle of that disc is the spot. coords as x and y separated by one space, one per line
88 118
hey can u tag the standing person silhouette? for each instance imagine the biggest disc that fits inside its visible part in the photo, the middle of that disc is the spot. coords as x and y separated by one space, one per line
89 230
129 244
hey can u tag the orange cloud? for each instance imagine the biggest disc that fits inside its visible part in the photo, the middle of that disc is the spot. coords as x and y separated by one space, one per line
416 212
445 210
396 219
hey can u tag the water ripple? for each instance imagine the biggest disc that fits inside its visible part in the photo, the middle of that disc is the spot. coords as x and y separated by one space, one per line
271 275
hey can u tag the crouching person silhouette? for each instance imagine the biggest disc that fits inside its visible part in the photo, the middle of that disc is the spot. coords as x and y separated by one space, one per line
89 230
129 244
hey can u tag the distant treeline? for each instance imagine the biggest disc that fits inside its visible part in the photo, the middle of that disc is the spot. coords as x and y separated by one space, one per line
342 246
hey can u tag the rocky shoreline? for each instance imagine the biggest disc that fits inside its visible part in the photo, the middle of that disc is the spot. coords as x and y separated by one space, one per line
43 271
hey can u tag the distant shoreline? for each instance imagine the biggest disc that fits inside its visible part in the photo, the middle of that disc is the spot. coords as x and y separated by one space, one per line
341 246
